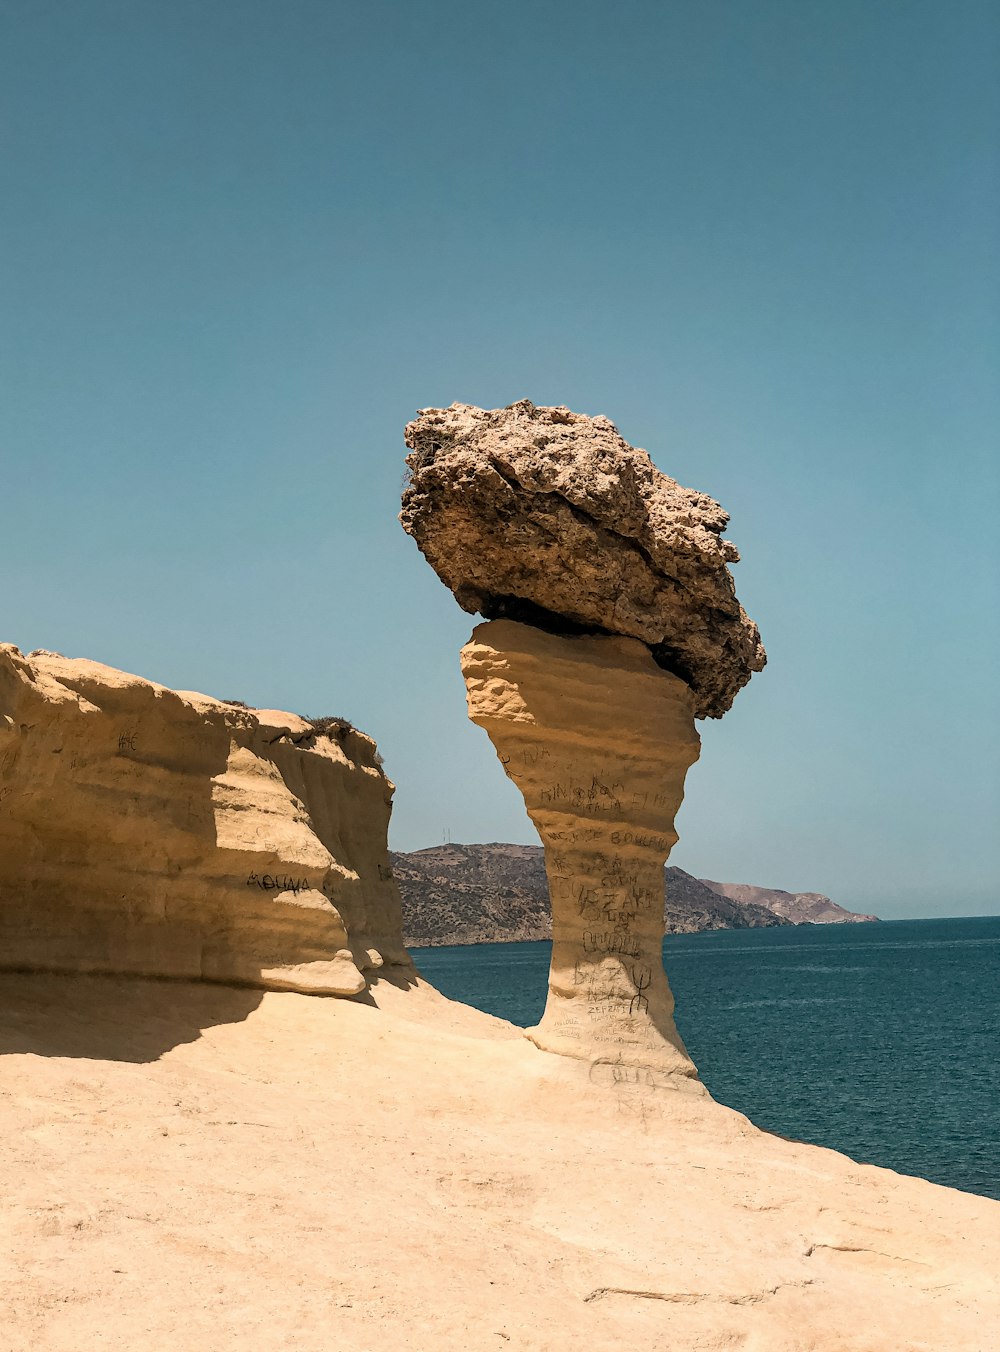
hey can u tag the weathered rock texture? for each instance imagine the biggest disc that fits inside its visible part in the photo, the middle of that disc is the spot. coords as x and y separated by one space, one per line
598 739
148 831
551 517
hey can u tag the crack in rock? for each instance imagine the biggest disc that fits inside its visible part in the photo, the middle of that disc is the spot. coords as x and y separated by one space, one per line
696 1297
860 1248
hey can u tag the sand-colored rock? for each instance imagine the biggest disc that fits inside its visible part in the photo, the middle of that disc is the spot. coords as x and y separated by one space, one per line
551 517
598 739
190 1167
150 831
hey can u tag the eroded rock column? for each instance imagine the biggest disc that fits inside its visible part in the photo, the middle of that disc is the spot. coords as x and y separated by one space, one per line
598 738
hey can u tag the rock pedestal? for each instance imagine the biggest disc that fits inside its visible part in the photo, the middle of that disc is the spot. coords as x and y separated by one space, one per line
598 738
163 833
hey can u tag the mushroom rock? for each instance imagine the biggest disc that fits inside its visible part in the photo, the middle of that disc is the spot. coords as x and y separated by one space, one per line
551 517
144 830
598 739
612 623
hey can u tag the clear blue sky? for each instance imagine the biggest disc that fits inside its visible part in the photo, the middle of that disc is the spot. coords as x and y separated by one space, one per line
242 241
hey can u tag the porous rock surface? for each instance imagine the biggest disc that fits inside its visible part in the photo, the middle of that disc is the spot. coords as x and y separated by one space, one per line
551 517
144 830
598 739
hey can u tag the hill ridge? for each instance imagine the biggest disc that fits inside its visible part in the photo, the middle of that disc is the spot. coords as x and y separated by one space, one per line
497 892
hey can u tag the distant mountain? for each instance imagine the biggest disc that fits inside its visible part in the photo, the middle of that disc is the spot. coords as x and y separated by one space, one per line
472 894
691 906
801 908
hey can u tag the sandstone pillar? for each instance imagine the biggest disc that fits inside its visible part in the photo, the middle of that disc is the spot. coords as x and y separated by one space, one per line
598 739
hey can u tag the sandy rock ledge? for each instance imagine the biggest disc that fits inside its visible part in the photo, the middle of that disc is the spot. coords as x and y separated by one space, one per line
188 1166
152 831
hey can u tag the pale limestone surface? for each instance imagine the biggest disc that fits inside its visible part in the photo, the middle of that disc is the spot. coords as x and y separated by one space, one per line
190 1168
598 739
551 517
167 833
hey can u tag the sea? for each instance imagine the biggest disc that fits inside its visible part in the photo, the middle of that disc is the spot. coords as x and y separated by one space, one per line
879 1040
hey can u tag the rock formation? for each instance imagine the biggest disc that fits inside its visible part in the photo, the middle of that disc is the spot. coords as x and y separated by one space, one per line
598 739
612 624
148 831
550 517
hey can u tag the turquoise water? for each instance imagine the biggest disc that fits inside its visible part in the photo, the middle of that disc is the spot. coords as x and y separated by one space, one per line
882 1041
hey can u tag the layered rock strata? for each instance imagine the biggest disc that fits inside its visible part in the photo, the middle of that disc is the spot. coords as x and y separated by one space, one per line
551 517
144 830
598 739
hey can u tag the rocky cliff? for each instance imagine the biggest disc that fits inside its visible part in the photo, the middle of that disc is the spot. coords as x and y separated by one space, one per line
479 894
472 894
146 830
801 908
